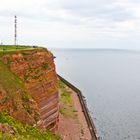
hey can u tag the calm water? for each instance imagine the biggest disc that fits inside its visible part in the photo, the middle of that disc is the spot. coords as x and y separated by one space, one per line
110 81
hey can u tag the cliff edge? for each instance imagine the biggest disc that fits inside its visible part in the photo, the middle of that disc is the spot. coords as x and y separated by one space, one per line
28 87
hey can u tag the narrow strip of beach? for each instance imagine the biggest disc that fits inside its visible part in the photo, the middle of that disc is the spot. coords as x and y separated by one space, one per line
72 122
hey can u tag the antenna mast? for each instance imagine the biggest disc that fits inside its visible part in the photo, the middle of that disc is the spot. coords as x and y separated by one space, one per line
15 42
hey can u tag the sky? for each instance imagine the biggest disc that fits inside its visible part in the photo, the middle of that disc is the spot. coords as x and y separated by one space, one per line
111 24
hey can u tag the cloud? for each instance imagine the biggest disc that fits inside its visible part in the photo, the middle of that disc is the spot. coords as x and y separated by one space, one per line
69 10
72 20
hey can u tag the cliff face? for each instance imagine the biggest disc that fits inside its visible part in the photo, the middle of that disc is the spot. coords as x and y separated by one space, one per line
34 88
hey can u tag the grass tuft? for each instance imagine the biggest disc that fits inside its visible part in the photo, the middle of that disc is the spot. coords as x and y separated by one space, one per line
23 132
67 108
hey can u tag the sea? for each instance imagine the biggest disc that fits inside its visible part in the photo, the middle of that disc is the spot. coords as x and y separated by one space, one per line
110 81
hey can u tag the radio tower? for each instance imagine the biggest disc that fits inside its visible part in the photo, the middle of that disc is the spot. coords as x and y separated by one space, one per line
15 42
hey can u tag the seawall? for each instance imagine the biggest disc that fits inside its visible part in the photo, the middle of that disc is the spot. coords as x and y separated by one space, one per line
90 123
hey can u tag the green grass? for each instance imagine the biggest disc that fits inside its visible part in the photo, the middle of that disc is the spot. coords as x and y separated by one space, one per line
14 48
65 94
23 132
45 66
8 80
11 84
11 49
66 103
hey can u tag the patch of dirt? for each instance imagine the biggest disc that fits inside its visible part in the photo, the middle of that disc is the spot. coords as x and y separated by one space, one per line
74 128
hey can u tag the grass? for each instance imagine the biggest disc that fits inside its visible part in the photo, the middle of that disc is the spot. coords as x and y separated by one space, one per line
66 103
23 132
14 48
10 82
65 94
45 66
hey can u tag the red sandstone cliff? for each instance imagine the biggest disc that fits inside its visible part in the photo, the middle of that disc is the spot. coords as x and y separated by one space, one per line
37 70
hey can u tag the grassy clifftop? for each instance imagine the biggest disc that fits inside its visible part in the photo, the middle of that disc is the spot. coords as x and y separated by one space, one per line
14 48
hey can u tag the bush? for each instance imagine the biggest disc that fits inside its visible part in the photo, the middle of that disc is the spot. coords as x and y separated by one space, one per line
45 66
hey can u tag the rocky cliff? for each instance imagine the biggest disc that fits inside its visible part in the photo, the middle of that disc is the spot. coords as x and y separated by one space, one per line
28 87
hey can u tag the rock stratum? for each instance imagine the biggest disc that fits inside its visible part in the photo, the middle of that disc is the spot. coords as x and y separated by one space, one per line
29 88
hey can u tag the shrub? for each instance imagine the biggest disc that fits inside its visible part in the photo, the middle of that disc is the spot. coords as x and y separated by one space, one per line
45 66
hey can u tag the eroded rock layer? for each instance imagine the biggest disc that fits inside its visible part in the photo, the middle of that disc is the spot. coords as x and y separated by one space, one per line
36 68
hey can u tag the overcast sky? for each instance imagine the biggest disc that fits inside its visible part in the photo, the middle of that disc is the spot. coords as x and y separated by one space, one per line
72 23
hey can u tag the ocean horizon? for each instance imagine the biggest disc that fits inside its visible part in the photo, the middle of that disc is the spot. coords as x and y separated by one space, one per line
110 81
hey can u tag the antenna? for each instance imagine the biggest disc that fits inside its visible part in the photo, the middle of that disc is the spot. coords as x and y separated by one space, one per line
15 42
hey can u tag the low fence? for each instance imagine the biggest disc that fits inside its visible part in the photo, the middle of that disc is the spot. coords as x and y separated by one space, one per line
84 108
